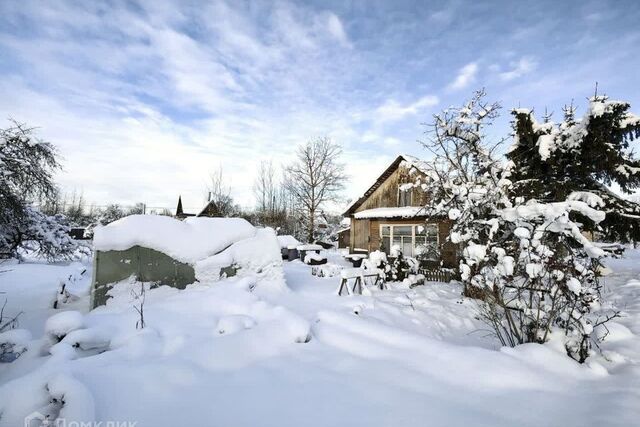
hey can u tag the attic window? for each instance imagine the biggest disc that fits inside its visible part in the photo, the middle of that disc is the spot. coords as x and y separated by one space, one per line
405 195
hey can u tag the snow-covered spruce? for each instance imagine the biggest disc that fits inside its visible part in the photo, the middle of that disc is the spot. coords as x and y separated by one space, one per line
551 161
528 261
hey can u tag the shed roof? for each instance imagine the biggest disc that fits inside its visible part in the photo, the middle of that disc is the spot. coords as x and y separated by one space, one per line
187 241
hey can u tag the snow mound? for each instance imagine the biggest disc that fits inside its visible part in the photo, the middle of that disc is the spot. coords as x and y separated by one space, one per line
187 241
613 331
234 323
18 337
259 253
288 241
78 405
59 325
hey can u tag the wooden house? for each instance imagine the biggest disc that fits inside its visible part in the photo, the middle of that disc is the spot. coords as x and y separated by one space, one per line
210 210
390 214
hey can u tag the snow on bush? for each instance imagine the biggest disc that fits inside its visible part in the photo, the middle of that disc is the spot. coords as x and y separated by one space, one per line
27 167
13 343
527 260
60 324
76 401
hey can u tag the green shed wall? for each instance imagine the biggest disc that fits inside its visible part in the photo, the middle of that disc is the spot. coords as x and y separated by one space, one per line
147 265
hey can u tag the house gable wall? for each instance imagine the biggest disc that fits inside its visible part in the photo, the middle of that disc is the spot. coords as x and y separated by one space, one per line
365 233
386 195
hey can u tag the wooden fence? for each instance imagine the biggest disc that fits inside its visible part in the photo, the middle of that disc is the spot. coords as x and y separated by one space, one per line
438 275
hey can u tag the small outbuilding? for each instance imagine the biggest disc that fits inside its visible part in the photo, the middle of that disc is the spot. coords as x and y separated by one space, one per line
168 251
344 237
288 245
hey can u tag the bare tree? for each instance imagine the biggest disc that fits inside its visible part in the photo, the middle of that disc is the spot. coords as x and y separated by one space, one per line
265 187
273 207
315 178
220 193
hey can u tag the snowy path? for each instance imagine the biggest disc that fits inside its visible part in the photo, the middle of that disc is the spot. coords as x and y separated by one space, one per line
398 358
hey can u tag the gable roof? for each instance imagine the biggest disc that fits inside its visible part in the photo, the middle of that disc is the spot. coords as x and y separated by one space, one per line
412 162
210 209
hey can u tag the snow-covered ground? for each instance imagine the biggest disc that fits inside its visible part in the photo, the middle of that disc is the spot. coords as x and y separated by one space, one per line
241 353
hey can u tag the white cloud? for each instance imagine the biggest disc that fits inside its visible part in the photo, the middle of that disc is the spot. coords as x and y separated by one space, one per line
466 76
336 29
392 110
173 103
524 65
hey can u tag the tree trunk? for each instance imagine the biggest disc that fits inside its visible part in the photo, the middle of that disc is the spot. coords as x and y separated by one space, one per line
312 222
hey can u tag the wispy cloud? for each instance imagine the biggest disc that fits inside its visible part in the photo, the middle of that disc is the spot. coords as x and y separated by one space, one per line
466 76
175 87
336 29
393 110
524 65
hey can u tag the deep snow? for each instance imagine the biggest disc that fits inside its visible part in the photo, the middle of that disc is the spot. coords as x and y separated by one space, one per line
232 353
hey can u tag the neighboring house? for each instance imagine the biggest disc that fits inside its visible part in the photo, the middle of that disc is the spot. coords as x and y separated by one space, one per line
390 214
210 210
344 236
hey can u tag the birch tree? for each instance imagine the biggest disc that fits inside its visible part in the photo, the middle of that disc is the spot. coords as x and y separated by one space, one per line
315 177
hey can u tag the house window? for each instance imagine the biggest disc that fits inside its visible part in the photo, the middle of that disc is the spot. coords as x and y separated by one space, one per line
426 244
405 196
385 237
411 239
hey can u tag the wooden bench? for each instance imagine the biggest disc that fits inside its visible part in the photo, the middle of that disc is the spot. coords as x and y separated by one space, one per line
359 277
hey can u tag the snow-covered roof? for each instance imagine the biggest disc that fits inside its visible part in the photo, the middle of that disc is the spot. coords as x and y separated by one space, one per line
404 160
414 162
402 212
187 241
287 241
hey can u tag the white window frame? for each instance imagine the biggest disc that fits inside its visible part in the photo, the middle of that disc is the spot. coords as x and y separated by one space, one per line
413 233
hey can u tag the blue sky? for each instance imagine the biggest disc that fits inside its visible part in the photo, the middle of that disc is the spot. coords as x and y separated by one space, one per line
144 99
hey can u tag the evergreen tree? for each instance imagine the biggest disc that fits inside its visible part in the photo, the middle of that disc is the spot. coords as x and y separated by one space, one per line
526 259
579 160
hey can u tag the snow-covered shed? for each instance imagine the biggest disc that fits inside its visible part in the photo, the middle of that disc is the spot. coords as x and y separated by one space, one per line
168 251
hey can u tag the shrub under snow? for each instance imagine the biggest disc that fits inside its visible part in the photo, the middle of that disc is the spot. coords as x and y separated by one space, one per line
527 260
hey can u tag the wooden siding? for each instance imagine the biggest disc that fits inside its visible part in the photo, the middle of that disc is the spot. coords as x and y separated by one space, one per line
365 234
344 237
386 196
360 234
